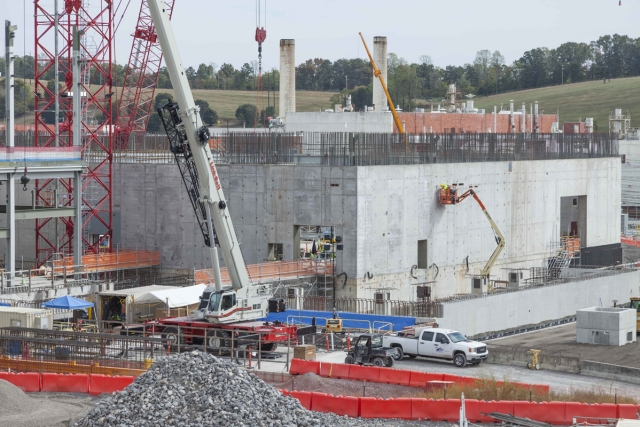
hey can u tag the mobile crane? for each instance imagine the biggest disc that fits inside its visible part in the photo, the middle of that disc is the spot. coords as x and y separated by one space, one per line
448 196
222 311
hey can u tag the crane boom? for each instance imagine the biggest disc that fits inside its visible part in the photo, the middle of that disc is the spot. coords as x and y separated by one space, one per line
449 197
378 74
189 139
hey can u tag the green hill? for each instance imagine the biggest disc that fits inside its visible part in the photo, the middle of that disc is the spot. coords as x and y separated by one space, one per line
576 101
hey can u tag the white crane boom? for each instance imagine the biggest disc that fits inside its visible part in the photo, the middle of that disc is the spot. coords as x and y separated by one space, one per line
189 140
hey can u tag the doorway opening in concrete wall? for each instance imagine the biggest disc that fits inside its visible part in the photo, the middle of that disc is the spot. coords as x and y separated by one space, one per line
573 219
423 262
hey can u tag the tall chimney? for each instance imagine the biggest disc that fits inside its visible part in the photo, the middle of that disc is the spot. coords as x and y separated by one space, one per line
524 114
287 77
380 58
536 128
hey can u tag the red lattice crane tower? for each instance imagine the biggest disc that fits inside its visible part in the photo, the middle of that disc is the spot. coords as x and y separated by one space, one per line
95 19
141 79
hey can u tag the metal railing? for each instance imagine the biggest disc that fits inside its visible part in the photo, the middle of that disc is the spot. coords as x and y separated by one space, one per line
272 271
372 306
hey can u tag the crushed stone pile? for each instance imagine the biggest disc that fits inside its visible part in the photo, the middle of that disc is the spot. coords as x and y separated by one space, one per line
13 400
198 389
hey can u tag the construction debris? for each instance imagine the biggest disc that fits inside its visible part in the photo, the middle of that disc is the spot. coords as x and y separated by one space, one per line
198 389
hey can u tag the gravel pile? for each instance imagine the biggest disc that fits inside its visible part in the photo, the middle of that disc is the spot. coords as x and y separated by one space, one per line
18 409
198 389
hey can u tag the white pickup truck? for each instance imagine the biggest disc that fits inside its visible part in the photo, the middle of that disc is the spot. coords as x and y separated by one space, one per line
438 343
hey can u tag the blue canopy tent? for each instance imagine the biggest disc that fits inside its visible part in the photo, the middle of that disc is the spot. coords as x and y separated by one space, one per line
67 303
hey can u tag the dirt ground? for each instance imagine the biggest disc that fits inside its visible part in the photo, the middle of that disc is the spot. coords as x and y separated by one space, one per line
562 340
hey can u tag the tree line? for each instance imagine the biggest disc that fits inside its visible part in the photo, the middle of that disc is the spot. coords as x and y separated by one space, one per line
415 84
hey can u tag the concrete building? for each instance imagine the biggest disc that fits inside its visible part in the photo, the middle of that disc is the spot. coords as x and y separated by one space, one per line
340 122
606 326
381 198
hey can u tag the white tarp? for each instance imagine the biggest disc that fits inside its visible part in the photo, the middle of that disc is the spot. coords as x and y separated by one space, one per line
178 297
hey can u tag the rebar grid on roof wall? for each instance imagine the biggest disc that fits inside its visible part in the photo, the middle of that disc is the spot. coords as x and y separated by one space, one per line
370 149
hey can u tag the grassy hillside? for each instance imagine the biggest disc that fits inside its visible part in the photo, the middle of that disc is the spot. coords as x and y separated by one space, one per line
576 101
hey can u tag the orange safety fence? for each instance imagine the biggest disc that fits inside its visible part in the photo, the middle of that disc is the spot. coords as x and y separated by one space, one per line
633 241
276 270
21 365
94 263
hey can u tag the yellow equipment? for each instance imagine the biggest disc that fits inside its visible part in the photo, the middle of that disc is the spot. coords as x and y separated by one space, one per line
635 303
535 359
378 74
334 325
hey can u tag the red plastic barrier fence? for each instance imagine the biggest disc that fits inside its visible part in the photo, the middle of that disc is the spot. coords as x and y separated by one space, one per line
99 384
435 410
459 380
66 383
626 410
395 376
364 373
557 413
28 381
301 367
475 408
335 370
284 392
605 410
304 397
522 409
340 405
420 379
371 407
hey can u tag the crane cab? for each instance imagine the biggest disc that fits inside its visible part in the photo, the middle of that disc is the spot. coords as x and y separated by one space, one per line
228 305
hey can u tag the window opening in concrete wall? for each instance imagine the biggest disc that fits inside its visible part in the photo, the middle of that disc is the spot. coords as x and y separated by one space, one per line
423 261
629 337
276 252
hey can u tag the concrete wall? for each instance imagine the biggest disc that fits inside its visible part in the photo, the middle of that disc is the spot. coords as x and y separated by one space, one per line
618 323
397 207
340 122
265 202
462 123
535 305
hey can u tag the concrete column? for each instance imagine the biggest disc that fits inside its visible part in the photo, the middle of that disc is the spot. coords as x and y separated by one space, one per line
9 31
495 119
380 58
535 117
287 77
524 114
512 126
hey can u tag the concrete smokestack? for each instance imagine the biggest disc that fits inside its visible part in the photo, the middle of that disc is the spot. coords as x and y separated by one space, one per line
535 117
511 121
287 77
380 58
524 115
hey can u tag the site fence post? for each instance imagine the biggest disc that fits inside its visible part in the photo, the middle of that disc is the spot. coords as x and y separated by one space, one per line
232 345
259 349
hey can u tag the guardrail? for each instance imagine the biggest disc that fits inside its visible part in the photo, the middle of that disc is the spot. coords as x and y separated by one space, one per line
271 271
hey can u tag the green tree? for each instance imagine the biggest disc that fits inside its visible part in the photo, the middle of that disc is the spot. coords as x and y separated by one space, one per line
247 113
155 124
23 98
208 116
270 111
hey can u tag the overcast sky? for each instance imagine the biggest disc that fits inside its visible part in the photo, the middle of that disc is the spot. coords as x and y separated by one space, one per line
449 31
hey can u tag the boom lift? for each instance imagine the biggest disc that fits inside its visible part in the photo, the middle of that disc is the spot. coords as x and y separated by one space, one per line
189 142
448 196
378 74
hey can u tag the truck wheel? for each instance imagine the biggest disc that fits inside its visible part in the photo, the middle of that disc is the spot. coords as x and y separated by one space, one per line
349 360
460 360
388 362
378 362
170 339
399 354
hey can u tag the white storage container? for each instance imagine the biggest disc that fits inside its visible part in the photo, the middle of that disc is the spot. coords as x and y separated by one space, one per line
26 317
